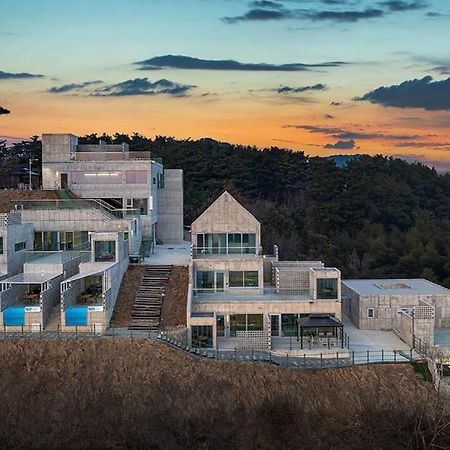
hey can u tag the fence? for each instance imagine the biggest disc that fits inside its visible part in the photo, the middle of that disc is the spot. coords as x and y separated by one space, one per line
299 360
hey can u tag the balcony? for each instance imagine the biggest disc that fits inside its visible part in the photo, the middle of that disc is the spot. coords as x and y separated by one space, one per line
220 252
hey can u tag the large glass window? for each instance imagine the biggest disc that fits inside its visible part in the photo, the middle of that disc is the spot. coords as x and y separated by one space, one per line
1 245
224 244
66 240
246 322
20 246
255 322
249 243
243 279
50 241
80 239
238 322
105 251
202 336
235 243
289 325
327 288
209 281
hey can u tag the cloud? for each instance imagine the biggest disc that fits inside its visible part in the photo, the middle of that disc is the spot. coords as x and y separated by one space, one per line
439 164
4 111
442 70
419 144
271 13
342 134
419 93
342 145
266 4
21 75
72 87
328 116
142 86
189 63
297 90
399 5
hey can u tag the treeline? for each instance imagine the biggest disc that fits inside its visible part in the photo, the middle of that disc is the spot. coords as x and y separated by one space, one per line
375 217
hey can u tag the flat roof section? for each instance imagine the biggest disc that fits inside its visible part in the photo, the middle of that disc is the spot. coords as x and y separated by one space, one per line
402 286
31 278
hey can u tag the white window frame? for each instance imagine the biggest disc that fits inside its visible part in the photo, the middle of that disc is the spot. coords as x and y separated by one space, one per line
373 313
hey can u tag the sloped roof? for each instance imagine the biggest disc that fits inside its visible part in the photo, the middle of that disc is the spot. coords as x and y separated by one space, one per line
224 207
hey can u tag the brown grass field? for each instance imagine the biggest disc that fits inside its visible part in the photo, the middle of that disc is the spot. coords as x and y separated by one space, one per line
121 394
174 305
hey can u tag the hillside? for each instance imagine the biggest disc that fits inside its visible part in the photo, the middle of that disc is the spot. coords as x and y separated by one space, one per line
140 394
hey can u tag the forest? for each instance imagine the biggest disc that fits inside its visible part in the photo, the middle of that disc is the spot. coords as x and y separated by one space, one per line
375 216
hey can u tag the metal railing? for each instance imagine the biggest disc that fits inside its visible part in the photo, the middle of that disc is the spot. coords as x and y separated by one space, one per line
76 204
225 251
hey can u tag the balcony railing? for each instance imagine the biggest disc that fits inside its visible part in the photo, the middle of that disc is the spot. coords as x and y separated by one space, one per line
56 257
74 204
199 252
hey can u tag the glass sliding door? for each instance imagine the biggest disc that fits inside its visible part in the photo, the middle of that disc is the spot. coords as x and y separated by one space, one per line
275 325
209 281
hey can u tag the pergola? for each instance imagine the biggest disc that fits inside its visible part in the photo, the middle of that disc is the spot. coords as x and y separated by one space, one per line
323 321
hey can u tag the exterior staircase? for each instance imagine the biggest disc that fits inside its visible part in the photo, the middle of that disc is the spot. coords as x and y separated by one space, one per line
146 313
54 320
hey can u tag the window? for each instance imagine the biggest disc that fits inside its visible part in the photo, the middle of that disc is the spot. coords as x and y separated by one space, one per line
226 244
289 326
327 288
220 322
96 177
209 281
50 241
1 245
249 243
105 251
20 246
275 325
202 336
370 313
246 322
243 279
141 204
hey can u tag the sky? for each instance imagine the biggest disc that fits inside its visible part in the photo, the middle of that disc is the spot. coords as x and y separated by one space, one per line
324 76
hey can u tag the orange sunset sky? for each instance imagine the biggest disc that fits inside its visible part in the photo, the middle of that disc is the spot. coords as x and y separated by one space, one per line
326 77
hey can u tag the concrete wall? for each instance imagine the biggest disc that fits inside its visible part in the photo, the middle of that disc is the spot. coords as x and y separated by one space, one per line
387 308
13 232
169 228
226 215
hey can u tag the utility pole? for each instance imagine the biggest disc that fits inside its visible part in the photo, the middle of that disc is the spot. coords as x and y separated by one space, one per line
29 174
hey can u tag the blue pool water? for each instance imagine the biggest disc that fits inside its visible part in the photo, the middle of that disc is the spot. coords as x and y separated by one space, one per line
76 315
14 316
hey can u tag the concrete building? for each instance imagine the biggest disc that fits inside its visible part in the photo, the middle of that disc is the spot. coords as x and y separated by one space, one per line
62 259
411 307
241 298
122 179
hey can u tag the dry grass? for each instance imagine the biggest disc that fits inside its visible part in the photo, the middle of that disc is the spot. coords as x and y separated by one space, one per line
127 293
8 196
174 305
141 394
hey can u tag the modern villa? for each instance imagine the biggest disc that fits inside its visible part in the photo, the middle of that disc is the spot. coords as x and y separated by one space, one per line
62 259
241 298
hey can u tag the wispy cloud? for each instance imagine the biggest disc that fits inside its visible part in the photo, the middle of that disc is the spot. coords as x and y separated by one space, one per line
143 86
18 75
73 87
300 89
190 63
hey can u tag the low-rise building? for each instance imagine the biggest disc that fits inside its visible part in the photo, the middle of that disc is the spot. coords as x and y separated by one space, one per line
412 307
241 298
